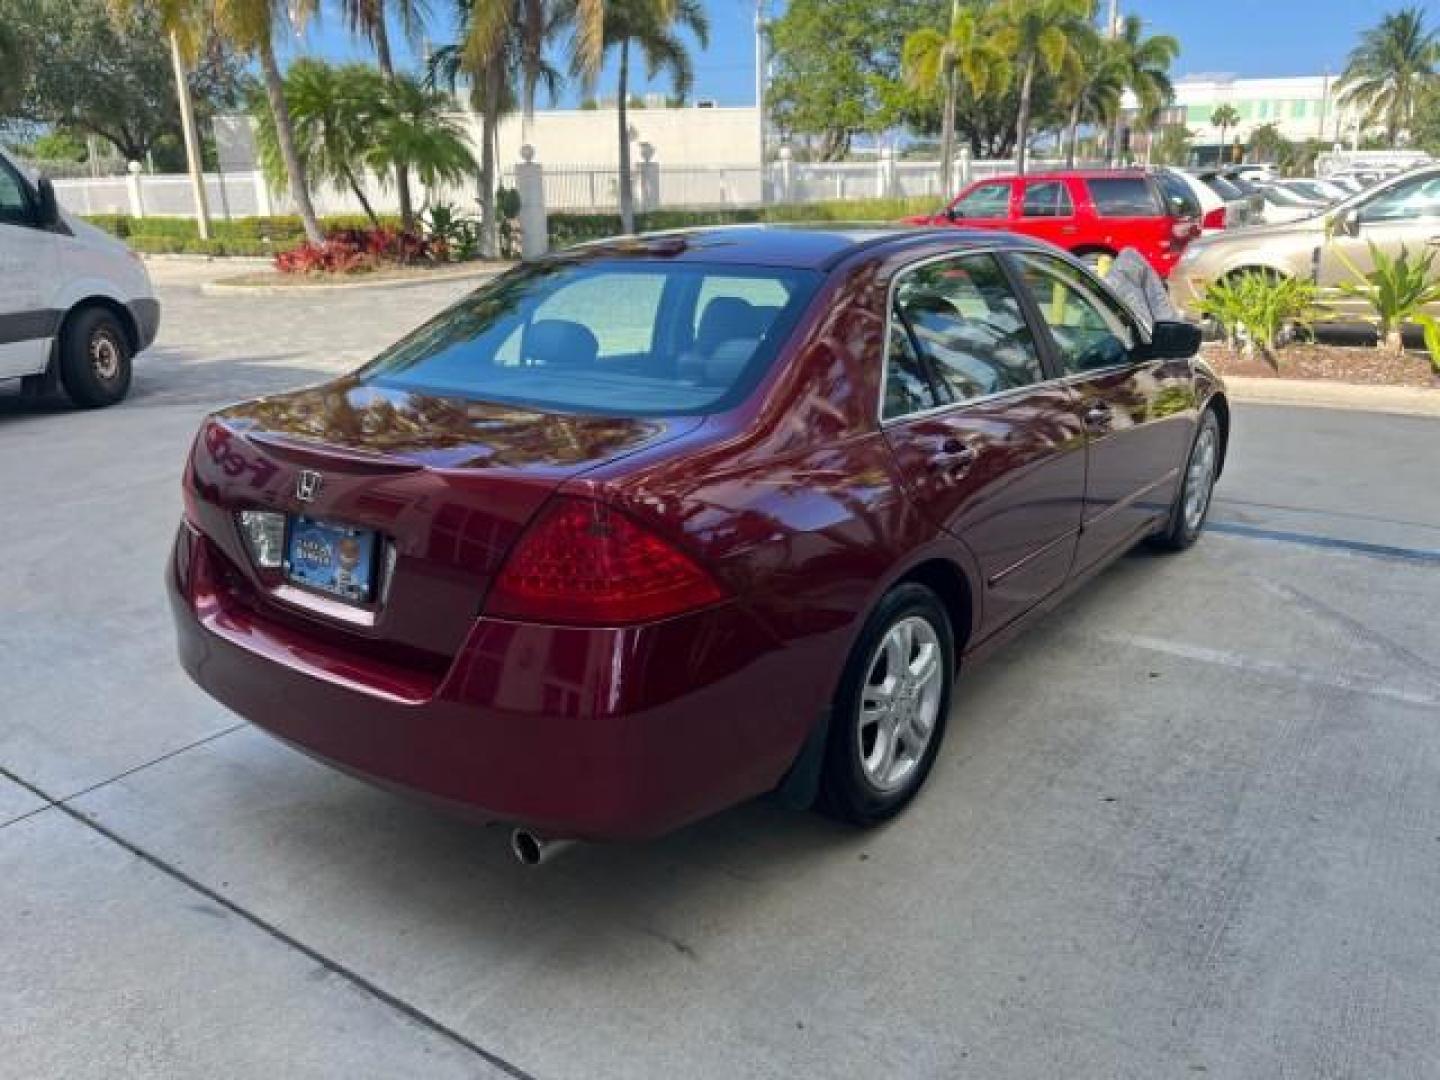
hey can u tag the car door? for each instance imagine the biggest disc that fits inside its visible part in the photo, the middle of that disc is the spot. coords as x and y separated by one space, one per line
984 206
1138 414
1405 214
1047 211
28 256
989 446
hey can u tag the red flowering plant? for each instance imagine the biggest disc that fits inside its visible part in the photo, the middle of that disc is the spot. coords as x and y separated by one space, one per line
354 251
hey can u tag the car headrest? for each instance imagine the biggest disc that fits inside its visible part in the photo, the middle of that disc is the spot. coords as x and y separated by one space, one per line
560 343
724 318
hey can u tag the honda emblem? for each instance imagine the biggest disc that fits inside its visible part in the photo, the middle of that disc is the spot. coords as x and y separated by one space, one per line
307 485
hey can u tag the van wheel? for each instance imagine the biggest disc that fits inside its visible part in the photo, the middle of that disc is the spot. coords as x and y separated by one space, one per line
95 359
890 709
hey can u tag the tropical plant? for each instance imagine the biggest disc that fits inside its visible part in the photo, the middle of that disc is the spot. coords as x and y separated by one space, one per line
1258 311
1267 144
1398 289
1092 83
416 132
335 111
1386 73
1224 117
1172 145
369 18
649 28
937 63
1143 63
1037 33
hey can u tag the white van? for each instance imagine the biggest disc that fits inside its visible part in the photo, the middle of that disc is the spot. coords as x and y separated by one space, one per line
75 303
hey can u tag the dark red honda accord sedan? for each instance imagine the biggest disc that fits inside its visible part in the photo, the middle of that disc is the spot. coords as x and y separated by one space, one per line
652 526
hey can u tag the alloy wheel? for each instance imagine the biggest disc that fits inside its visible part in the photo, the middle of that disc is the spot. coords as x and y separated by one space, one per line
900 702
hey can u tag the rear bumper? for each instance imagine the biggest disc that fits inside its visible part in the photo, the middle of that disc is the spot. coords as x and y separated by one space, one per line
610 733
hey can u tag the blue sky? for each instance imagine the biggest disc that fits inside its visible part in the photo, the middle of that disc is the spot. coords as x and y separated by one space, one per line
1241 37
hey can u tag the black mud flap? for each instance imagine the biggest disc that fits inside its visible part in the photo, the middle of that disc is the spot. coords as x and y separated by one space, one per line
802 783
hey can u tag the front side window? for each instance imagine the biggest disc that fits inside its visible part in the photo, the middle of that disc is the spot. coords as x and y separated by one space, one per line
1090 332
621 337
1123 196
14 198
1416 199
1046 199
966 322
988 201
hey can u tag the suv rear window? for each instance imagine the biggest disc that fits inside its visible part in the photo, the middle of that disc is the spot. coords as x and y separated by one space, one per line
1123 196
1179 199
624 337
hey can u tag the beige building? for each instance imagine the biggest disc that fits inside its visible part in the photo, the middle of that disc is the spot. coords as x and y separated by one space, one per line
1302 108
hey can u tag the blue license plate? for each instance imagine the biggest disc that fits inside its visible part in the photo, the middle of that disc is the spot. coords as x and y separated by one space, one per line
334 559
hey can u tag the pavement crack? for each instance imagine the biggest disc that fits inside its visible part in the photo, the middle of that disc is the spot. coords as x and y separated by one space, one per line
333 966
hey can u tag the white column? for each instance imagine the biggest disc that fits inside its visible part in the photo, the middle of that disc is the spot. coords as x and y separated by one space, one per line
132 190
885 173
534 223
263 206
649 178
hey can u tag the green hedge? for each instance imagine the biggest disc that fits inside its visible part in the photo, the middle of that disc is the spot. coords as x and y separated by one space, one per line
193 245
280 231
567 229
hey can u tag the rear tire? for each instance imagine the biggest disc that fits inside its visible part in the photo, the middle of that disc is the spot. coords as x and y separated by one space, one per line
95 359
1192 501
889 713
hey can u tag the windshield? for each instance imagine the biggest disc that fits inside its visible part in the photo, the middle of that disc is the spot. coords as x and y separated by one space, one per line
620 337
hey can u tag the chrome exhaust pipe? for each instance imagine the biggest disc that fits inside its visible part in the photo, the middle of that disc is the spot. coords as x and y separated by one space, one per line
531 849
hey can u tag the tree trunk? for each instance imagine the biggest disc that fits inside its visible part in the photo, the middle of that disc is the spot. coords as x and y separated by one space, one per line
947 135
489 124
1022 123
192 140
285 136
627 196
359 193
387 68
1072 133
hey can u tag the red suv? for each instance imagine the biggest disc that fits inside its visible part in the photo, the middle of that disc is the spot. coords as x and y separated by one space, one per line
1089 212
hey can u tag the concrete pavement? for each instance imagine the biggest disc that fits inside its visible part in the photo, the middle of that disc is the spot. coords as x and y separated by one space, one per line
1190 825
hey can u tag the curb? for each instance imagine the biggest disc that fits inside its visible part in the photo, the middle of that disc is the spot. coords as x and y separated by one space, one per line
1399 400
224 288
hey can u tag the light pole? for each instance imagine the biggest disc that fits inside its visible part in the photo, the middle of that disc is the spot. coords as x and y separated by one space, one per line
760 77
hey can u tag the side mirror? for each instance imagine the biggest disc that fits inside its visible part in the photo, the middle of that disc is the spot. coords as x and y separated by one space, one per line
49 208
951 214
1170 340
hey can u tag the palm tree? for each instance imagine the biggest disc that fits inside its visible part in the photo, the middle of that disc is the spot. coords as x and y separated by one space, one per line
367 18
1224 117
1387 71
1037 33
335 112
415 131
650 27
932 62
1144 66
1091 81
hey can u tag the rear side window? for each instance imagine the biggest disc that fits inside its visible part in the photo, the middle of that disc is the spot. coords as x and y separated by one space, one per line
1180 201
1123 196
988 201
1047 198
621 337
966 322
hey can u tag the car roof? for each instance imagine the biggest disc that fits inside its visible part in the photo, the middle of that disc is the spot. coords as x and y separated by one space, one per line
793 246
1089 174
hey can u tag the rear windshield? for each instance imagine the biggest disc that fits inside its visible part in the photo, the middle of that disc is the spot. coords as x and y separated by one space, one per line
620 337
1223 187
1123 196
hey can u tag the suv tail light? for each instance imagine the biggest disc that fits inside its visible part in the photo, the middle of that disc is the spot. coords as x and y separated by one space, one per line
1215 219
583 563
1184 229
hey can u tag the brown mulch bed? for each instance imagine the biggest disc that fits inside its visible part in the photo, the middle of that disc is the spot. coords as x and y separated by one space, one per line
1333 363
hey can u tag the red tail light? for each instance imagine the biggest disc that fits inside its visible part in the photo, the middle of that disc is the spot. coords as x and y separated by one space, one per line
583 563
1184 229
1215 219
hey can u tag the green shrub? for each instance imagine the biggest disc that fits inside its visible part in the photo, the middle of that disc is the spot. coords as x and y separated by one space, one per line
1398 290
1256 309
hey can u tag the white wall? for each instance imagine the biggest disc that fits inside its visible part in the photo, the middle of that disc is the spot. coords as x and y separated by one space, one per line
681 137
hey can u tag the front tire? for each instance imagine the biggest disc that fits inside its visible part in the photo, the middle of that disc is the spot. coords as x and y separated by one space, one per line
1192 502
95 359
890 709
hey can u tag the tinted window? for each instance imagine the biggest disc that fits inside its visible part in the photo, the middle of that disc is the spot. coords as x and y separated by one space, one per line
1223 188
14 201
1127 196
1047 198
1089 331
1179 199
967 323
1409 200
986 201
624 337
907 388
